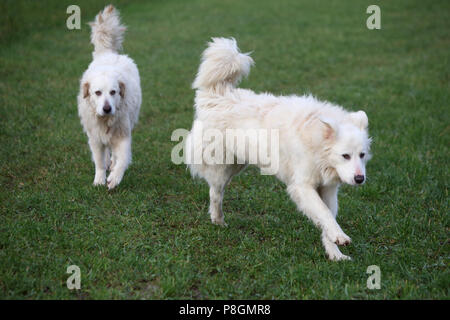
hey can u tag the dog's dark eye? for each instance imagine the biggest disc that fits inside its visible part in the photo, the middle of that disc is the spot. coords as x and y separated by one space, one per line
99 93
346 156
361 155
112 92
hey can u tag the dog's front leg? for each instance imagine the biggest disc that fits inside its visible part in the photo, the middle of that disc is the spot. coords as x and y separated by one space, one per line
121 154
329 196
309 201
98 156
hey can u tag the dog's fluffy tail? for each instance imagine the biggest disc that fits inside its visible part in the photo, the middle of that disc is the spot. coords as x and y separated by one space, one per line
222 66
107 32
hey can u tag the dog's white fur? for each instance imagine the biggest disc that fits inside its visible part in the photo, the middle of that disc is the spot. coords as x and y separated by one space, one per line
111 83
314 136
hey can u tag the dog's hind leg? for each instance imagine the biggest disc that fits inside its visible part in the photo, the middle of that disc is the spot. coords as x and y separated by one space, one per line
218 176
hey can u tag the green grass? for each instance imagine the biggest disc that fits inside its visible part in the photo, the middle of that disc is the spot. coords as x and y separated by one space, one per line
152 238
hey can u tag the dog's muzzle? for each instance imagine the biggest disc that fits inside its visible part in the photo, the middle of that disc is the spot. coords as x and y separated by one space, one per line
359 179
106 108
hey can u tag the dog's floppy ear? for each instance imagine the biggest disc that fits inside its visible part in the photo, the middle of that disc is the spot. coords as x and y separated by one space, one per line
122 89
331 127
360 119
86 86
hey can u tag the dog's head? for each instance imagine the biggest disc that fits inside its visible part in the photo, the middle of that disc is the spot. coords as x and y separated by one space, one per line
104 93
349 147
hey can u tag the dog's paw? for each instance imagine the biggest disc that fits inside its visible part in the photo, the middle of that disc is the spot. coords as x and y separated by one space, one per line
219 221
113 181
343 240
340 238
99 180
338 256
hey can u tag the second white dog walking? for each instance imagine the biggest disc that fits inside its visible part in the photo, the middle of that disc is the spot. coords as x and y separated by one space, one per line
320 144
109 100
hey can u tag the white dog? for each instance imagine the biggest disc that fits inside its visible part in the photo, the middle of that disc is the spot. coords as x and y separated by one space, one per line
110 99
320 144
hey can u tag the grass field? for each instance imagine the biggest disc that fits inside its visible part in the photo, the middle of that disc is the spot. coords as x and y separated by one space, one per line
152 238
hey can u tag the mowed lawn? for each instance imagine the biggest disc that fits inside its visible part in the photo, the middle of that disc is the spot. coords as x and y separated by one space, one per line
152 238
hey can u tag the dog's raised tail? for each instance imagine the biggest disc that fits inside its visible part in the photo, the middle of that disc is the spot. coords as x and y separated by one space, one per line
222 66
107 32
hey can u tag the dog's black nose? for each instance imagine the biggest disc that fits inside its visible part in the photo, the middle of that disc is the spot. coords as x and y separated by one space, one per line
359 179
107 108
